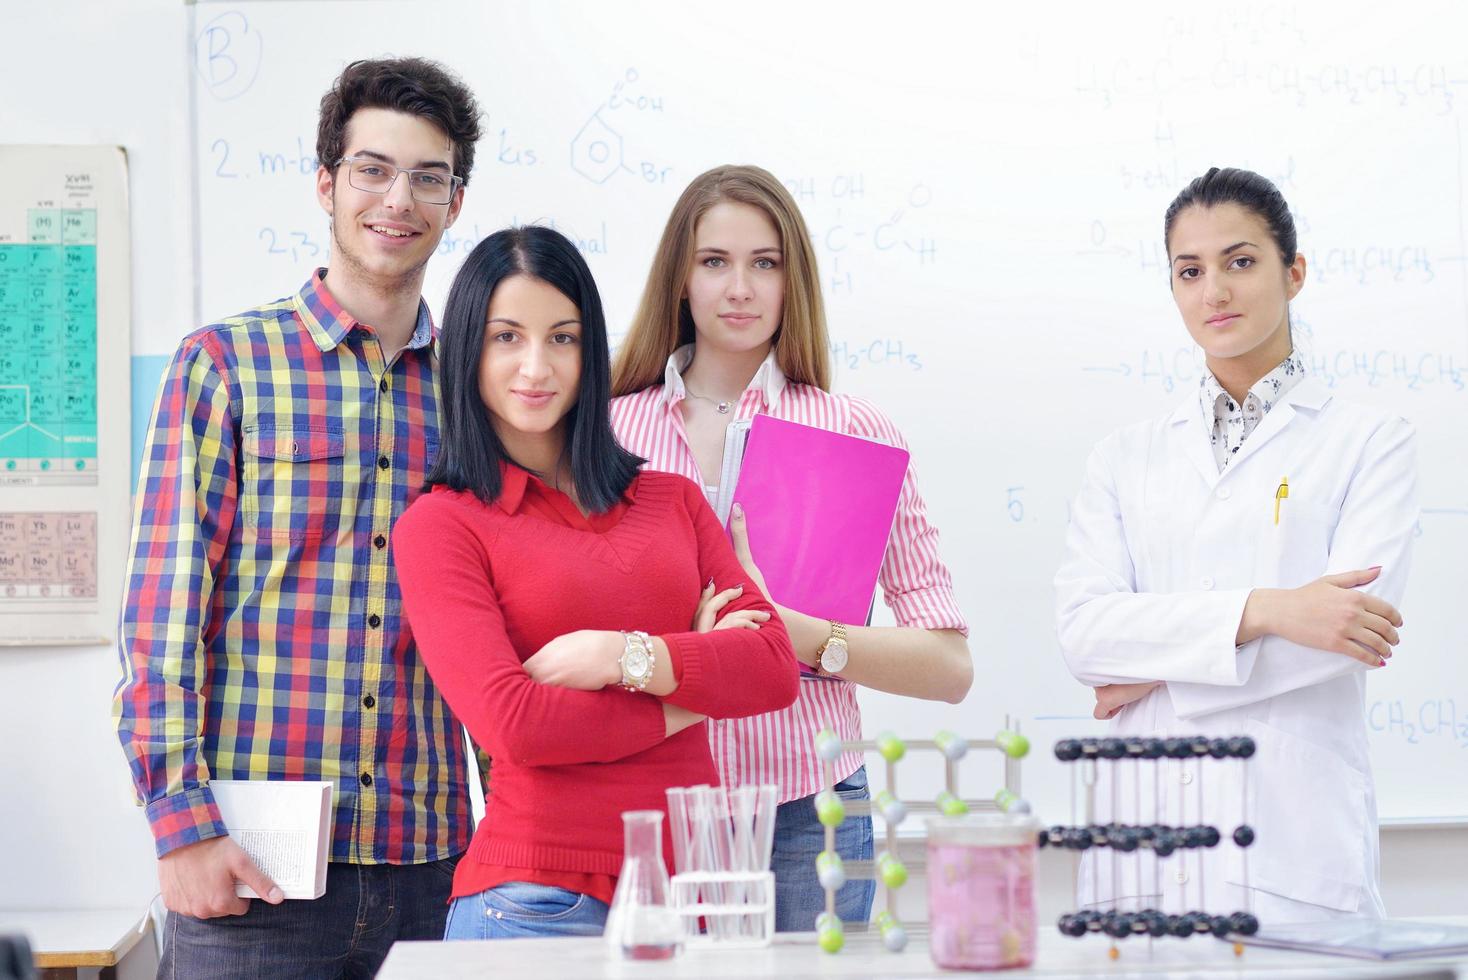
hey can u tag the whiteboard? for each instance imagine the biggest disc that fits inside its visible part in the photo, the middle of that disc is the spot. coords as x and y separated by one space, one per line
985 190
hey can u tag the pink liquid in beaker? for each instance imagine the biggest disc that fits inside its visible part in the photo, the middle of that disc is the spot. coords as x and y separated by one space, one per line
650 951
981 900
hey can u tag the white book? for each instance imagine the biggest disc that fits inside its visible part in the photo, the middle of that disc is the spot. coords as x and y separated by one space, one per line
285 828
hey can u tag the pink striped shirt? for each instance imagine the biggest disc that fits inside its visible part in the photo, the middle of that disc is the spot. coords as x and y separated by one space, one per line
779 747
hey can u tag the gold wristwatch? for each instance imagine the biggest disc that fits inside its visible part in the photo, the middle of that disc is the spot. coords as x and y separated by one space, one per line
637 660
833 653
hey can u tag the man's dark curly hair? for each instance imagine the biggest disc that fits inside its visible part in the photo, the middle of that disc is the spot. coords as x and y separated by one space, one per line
415 86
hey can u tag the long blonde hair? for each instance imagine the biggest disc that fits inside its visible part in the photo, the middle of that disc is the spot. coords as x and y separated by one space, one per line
663 323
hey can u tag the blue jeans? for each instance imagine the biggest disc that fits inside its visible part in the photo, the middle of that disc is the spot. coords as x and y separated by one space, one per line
520 910
345 933
799 837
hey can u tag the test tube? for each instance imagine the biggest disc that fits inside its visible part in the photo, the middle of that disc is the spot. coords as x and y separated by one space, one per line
678 825
765 819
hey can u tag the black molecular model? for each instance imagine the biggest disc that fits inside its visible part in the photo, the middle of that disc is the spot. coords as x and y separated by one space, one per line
1098 758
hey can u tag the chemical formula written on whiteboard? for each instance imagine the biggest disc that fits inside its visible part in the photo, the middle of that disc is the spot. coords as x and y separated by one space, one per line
1416 722
225 161
850 227
884 352
1411 370
598 150
1431 86
1349 263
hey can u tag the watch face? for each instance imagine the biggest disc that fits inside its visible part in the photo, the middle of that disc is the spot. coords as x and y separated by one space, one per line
634 662
833 657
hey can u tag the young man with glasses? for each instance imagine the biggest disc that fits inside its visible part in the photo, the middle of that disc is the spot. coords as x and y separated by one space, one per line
263 635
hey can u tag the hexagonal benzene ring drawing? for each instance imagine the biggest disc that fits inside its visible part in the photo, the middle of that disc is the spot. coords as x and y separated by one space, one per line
596 152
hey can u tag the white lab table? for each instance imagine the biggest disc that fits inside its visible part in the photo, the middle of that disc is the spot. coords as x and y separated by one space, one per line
64 941
796 956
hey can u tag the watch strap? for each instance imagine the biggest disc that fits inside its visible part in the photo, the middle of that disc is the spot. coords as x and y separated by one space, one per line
636 641
838 633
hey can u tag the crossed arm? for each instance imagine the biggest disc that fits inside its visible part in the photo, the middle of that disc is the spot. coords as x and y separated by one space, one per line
537 712
1219 650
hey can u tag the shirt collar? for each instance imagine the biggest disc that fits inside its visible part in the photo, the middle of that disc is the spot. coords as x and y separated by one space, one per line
515 483
329 324
1268 390
768 380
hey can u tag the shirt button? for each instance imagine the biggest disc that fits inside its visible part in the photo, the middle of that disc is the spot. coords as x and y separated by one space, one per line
366 779
1181 877
1207 582
374 621
380 541
1223 493
382 385
1187 778
383 462
368 701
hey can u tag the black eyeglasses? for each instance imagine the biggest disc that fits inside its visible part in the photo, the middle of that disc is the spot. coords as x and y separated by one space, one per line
375 177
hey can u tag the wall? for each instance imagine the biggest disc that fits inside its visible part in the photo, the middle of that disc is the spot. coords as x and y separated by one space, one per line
78 72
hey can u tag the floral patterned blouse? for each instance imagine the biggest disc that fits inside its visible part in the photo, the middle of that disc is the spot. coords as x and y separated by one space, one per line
1232 421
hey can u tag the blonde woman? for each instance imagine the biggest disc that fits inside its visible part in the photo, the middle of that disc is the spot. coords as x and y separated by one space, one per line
732 325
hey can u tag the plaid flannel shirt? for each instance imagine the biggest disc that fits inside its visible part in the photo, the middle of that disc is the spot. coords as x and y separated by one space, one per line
262 635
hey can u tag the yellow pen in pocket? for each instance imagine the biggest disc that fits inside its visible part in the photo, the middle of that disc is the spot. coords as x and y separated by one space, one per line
1280 494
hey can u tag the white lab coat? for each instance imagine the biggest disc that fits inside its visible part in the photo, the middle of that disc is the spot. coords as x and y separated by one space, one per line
1163 551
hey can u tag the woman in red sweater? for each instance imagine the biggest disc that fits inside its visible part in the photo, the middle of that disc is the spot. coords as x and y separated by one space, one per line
551 586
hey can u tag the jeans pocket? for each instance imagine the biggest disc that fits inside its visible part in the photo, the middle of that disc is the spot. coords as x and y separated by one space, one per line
530 902
854 787
466 919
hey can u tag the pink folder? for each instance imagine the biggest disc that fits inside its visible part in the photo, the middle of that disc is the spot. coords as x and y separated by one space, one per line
819 507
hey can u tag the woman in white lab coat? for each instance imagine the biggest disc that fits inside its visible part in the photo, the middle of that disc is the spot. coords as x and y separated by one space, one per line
1234 568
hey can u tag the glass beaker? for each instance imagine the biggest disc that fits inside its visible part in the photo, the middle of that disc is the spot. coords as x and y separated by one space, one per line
640 922
981 891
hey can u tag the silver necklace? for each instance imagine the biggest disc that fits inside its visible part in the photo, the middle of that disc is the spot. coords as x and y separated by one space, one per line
724 407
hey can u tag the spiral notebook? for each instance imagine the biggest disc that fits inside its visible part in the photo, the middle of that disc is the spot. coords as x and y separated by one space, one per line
819 507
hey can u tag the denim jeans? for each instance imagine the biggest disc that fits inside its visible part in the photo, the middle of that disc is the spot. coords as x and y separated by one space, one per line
520 910
345 933
799 837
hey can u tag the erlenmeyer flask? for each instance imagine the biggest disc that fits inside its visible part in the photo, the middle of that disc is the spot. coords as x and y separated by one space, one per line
641 923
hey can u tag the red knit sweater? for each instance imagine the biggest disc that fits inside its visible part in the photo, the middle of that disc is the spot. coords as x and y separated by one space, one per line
485 587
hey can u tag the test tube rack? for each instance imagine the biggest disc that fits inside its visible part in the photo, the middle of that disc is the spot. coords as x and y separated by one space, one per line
724 892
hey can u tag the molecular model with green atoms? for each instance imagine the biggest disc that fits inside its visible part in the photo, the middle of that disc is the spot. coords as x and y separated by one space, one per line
831 810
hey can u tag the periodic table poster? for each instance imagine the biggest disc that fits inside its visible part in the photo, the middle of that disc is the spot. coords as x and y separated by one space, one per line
64 399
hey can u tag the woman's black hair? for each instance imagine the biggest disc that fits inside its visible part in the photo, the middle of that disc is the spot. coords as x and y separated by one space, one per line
470 452
1248 190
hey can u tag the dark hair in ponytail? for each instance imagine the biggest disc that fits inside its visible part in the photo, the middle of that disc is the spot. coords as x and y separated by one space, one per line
1229 185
